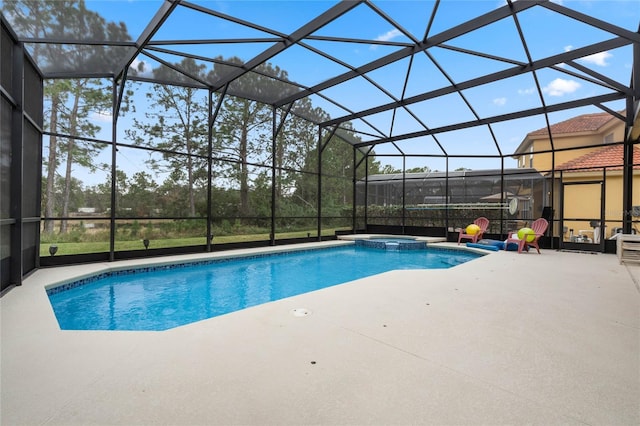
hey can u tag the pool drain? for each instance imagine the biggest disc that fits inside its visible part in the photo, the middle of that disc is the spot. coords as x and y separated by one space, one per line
300 312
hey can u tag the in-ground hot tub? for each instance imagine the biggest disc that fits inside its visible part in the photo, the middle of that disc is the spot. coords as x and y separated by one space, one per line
389 243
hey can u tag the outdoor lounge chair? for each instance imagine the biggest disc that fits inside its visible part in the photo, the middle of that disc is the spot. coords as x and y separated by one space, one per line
483 224
539 226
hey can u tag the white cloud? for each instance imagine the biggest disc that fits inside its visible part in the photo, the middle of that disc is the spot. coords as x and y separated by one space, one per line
389 35
102 116
141 68
599 59
500 101
529 91
561 87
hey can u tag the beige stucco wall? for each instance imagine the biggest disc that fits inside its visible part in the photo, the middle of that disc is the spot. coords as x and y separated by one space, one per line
583 201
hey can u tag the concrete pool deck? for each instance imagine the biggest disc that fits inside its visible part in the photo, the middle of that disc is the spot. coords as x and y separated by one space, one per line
504 339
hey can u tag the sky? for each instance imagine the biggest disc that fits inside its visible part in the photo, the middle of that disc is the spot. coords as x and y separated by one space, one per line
546 34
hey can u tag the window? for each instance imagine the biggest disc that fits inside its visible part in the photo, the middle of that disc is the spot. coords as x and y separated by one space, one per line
608 138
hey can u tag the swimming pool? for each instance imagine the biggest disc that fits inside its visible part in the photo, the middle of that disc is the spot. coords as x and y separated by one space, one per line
160 298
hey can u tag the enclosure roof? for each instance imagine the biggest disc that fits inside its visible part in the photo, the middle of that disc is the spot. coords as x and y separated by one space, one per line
414 77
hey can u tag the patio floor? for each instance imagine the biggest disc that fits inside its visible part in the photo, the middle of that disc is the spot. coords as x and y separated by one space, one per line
505 339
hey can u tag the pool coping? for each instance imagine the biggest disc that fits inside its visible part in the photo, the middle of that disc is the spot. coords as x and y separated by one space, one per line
428 240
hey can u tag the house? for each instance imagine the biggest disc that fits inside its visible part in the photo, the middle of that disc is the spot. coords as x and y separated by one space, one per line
589 131
587 187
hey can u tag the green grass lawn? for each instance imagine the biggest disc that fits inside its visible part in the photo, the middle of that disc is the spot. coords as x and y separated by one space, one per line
103 246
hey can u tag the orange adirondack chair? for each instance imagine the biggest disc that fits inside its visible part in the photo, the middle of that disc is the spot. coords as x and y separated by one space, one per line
483 224
539 226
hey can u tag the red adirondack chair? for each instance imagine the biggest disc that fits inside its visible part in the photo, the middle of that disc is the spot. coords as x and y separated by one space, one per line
483 224
539 226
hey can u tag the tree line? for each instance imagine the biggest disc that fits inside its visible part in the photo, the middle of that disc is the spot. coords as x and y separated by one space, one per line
174 124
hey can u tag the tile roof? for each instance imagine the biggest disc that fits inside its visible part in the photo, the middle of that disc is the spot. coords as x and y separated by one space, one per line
610 157
581 123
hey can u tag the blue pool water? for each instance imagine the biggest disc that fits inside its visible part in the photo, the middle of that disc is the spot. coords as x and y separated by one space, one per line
170 297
